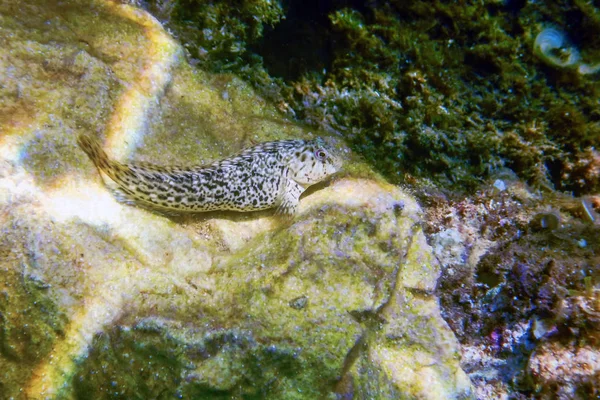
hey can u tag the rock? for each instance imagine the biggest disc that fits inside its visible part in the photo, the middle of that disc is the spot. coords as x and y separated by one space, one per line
100 299
570 370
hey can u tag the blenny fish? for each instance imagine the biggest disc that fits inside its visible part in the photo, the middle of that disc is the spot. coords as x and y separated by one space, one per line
268 175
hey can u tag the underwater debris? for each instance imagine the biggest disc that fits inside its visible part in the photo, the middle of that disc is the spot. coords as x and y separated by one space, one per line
500 185
549 220
553 46
588 210
585 69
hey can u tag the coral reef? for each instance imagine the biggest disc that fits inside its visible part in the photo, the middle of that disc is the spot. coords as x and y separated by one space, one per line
566 371
518 277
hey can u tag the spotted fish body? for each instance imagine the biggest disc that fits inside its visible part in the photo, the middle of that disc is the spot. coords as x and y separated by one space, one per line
269 175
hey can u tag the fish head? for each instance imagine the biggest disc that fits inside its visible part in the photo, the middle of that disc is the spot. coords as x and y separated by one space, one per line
313 161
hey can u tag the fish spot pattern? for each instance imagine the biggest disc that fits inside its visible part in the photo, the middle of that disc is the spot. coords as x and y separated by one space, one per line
268 175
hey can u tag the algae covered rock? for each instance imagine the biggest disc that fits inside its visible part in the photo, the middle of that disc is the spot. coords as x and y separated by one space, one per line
99 299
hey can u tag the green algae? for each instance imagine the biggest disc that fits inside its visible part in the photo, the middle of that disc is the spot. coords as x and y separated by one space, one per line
107 370
162 359
443 91
30 319
217 33
440 77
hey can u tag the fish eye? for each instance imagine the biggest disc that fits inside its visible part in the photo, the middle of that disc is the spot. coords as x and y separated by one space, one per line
320 154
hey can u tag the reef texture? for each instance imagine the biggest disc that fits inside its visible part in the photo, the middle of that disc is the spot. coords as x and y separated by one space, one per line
103 300
519 287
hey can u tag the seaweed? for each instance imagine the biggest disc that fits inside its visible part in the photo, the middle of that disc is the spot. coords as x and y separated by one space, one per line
434 90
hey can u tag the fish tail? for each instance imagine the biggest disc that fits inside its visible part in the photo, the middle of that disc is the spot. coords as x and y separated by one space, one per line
91 146
116 171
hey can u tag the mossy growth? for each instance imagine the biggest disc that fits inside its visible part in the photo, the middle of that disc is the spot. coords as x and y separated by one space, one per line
438 90
129 363
217 33
157 358
30 321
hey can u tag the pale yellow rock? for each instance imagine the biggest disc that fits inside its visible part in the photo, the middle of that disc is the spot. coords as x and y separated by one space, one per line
100 296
